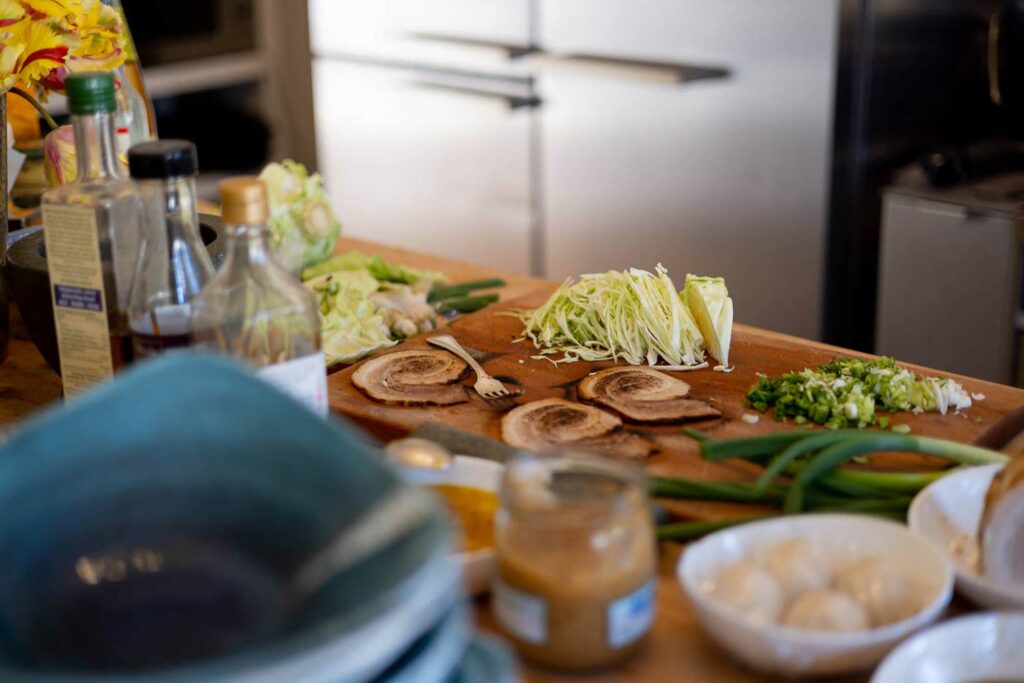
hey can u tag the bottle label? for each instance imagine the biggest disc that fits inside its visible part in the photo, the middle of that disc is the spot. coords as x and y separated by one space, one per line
631 616
304 379
523 615
79 302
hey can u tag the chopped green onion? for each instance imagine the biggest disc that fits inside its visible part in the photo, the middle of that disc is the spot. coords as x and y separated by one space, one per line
441 292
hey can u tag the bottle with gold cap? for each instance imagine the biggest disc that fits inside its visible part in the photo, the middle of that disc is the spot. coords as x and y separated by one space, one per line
256 310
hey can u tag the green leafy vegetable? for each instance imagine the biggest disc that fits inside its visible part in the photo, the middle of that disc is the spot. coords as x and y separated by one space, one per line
846 393
353 324
303 227
378 267
633 315
440 293
466 304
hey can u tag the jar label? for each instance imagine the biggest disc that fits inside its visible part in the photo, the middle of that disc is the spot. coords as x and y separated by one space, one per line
631 616
304 379
521 614
78 296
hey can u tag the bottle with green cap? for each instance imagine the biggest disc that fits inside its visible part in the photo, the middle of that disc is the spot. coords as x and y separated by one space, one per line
92 229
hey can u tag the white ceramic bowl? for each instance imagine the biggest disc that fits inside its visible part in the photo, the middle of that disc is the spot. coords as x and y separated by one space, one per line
478 566
793 652
947 513
979 647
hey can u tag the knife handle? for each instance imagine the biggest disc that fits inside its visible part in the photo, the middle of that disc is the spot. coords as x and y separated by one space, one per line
1000 433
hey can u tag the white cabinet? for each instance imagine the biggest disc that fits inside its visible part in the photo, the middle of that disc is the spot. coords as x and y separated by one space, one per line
717 177
436 32
619 167
432 162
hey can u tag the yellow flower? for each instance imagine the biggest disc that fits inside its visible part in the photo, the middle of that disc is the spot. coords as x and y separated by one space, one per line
49 8
42 40
59 158
11 12
42 51
101 44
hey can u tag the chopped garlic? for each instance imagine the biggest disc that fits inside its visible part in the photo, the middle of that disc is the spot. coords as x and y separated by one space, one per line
751 418
978 397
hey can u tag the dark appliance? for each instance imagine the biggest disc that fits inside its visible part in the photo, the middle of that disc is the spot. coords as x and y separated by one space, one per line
912 75
167 32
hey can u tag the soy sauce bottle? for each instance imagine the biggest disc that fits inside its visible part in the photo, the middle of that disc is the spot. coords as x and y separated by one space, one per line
173 264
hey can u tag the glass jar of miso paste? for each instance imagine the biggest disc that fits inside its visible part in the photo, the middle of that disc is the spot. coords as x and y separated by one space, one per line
576 561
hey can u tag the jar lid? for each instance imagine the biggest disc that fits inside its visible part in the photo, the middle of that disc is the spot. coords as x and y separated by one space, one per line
545 488
163 159
243 200
90 92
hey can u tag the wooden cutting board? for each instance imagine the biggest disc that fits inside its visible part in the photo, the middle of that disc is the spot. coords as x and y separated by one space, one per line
490 336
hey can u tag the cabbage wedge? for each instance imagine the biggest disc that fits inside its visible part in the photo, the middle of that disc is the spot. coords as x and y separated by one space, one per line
708 300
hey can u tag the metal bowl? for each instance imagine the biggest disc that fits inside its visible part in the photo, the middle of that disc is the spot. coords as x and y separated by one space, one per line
29 280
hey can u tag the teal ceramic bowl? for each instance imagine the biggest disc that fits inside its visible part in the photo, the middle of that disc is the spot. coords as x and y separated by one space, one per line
152 530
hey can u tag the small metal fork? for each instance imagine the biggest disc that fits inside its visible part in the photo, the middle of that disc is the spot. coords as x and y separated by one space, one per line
486 386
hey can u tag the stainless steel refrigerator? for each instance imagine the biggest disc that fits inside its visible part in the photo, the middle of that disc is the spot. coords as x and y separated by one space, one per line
566 136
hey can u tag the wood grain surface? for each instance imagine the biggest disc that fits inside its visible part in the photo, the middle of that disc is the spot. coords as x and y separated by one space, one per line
489 335
677 650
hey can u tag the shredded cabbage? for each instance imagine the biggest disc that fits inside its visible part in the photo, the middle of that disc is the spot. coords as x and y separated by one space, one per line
633 315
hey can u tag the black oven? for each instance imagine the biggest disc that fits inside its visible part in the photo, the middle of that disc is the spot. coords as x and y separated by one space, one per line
167 32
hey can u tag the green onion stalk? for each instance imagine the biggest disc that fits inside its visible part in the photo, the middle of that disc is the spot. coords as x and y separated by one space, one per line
804 473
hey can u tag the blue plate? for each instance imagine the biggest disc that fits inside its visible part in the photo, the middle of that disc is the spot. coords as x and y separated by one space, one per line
188 478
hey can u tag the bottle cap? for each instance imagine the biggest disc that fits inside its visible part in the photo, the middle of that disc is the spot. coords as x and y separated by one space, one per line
90 92
243 201
162 159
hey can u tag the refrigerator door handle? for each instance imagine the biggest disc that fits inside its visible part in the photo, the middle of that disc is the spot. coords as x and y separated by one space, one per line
514 102
511 50
995 89
623 67
647 69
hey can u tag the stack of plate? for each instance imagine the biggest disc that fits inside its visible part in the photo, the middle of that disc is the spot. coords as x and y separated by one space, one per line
195 453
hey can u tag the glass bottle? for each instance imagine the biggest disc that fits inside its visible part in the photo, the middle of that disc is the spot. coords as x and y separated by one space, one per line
92 233
173 264
256 310
132 116
577 561
142 125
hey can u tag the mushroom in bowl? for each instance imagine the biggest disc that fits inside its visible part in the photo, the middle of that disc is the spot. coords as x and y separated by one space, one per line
813 595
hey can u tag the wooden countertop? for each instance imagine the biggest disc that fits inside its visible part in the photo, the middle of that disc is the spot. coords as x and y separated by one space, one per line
678 650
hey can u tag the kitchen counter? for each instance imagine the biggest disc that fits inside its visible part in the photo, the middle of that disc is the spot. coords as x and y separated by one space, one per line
677 649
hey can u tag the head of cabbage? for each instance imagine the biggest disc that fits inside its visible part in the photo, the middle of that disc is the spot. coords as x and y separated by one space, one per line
303 227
